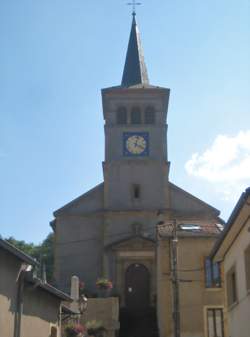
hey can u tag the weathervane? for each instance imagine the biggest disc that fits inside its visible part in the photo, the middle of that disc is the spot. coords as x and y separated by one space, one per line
134 4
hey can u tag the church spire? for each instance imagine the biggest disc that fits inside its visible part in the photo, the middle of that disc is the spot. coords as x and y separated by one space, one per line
135 71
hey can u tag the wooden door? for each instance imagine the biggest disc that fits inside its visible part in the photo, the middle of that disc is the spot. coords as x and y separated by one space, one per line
137 281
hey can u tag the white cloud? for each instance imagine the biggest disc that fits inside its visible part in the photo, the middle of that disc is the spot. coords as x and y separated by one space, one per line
225 163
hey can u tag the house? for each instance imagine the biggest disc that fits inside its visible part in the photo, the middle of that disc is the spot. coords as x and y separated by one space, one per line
232 250
200 287
29 307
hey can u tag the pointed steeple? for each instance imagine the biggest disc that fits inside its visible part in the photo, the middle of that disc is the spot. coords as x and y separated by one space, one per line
135 71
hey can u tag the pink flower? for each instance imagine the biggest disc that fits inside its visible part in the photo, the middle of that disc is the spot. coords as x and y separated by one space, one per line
79 328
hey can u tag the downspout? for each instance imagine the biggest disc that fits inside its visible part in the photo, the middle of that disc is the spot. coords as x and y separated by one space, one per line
19 309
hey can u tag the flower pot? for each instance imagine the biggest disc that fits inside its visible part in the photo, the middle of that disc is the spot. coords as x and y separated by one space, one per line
103 292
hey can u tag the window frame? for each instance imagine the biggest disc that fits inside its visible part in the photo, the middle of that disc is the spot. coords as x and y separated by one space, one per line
222 319
247 267
136 192
211 282
231 287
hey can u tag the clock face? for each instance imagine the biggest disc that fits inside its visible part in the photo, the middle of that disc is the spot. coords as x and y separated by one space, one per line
135 144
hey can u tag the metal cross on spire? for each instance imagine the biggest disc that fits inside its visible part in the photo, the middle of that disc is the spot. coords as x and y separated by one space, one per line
134 4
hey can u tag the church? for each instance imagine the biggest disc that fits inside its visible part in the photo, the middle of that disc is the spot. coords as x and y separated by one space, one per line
111 230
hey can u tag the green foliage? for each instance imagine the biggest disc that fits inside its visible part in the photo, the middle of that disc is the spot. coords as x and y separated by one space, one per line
95 328
94 324
43 252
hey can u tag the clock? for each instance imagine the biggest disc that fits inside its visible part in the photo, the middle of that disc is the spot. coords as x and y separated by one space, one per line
136 144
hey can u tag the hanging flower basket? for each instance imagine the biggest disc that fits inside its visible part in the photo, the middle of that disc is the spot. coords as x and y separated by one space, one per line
104 287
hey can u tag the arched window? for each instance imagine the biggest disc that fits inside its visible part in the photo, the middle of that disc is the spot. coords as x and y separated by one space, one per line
136 115
149 116
121 115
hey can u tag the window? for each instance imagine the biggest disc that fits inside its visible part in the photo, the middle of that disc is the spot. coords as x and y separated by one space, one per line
190 227
136 115
231 287
212 274
247 266
220 227
137 228
121 116
136 191
149 115
215 322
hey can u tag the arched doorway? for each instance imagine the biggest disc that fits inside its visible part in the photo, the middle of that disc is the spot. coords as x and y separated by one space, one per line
137 288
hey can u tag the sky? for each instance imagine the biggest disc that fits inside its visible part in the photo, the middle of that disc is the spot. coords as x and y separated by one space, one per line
55 58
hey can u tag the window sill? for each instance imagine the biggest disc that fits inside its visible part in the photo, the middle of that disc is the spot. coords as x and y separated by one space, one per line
213 289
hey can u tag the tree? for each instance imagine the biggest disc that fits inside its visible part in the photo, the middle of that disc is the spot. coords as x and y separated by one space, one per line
44 253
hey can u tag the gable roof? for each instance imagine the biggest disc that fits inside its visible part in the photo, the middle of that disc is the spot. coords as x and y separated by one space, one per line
29 277
17 253
129 238
230 223
188 201
77 201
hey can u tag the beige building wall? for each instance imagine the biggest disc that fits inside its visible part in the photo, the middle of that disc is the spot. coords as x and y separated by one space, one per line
40 313
239 313
9 267
195 298
40 308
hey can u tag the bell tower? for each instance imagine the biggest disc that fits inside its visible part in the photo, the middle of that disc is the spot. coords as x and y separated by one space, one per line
136 164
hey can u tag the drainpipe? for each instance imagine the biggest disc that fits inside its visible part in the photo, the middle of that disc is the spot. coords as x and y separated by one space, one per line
19 309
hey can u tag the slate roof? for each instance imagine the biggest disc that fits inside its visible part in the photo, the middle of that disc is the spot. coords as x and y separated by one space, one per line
135 70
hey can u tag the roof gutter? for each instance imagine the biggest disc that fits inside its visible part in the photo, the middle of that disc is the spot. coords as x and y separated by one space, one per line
230 222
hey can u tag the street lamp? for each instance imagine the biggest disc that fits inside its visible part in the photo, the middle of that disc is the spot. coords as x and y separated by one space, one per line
83 303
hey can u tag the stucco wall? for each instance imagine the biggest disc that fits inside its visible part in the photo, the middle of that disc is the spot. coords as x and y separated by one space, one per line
78 250
193 295
40 309
9 267
40 312
238 314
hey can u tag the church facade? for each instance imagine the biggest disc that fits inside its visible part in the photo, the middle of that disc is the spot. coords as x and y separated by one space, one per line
111 230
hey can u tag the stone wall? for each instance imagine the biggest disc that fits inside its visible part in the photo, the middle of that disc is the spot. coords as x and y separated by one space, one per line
105 310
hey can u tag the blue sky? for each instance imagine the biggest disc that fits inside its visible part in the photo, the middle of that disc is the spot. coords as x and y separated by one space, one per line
55 58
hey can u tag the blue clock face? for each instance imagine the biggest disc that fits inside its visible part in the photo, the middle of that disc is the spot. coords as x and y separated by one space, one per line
135 144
